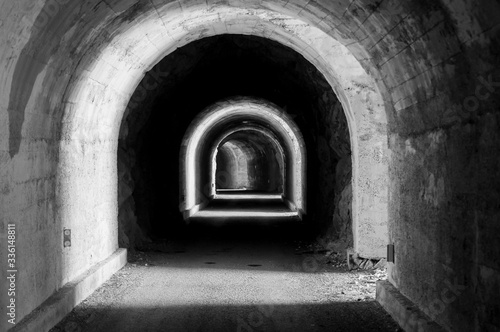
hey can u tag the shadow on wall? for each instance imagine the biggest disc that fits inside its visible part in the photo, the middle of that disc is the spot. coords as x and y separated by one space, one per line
338 237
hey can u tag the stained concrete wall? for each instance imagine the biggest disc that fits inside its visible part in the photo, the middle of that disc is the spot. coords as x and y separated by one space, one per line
434 62
444 173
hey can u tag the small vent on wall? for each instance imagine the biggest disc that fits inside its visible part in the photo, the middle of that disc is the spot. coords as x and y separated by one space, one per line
390 253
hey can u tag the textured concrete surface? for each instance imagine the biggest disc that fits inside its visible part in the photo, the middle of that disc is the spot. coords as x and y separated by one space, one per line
404 312
63 301
230 278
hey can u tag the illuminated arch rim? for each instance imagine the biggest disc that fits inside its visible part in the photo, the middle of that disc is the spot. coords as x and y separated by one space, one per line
197 184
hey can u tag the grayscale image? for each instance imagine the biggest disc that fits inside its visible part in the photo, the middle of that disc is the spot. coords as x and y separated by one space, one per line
250 165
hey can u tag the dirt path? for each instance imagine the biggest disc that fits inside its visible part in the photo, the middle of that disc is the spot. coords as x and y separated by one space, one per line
241 280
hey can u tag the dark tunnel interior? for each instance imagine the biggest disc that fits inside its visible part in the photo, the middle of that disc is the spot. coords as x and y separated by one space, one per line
204 72
249 160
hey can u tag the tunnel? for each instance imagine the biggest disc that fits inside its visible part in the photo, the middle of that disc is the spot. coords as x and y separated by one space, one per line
240 87
200 183
249 160
367 128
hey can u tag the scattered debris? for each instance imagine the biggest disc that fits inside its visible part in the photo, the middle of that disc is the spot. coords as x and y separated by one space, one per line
362 274
355 262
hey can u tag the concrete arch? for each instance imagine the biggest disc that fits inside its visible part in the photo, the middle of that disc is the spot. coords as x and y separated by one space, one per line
247 128
96 100
197 149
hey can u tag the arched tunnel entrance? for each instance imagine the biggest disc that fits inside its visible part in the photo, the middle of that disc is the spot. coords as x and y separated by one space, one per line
264 163
260 146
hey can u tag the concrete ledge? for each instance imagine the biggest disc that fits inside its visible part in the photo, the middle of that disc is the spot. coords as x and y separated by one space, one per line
409 317
194 210
56 307
291 205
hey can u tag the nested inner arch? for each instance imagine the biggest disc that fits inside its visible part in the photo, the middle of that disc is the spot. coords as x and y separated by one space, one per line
197 152
249 159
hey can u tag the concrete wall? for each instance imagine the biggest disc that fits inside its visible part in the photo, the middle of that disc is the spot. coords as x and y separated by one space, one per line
68 67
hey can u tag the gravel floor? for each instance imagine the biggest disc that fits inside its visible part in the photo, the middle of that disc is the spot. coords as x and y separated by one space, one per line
234 280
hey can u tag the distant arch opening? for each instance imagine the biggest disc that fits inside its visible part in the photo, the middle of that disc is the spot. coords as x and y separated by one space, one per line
218 132
249 159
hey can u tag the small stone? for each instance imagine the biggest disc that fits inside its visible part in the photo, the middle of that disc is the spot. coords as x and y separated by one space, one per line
381 264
